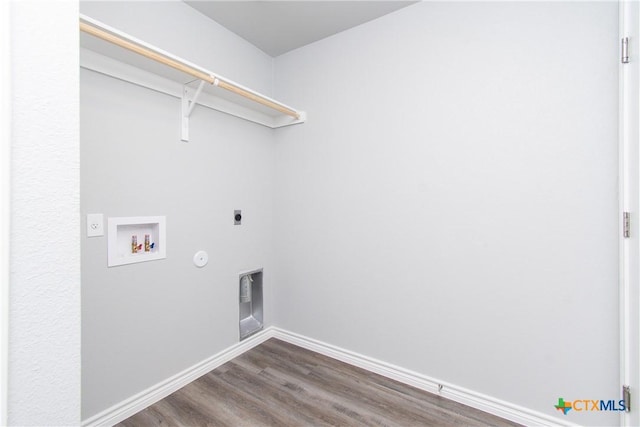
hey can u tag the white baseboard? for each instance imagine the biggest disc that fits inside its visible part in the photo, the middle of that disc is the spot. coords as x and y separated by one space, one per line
153 394
485 403
458 394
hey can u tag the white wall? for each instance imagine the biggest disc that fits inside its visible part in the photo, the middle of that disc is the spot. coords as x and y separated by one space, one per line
5 201
143 323
44 318
450 205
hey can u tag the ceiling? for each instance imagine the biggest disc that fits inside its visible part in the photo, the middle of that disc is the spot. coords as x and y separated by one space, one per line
276 27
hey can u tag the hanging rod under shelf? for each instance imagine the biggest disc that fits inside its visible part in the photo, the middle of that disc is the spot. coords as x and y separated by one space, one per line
218 81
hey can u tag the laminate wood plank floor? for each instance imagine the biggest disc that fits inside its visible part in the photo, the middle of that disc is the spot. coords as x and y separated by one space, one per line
280 384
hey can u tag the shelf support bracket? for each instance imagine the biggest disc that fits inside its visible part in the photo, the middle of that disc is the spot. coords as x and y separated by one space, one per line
187 108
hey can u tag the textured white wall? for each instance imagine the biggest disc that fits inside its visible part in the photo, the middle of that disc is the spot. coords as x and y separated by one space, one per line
44 358
143 323
450 206
5 200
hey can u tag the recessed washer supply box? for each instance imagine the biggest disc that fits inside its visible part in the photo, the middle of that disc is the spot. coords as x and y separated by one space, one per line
126 239
251 309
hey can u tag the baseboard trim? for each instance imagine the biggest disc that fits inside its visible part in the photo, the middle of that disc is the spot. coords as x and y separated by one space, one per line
501 408
458 394
153 394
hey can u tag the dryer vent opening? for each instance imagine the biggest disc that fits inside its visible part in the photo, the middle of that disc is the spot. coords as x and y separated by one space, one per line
250 298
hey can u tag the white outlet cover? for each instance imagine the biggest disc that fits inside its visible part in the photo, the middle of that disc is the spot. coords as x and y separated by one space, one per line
95 225
200 259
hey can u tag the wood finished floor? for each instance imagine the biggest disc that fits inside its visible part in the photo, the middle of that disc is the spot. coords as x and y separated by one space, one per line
279 384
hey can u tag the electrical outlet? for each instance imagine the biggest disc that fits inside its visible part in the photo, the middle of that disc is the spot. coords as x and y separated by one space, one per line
95 225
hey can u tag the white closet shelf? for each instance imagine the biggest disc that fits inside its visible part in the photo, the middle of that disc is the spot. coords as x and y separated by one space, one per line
109 51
